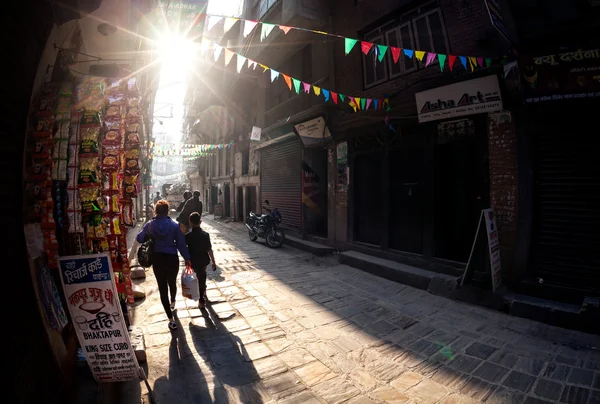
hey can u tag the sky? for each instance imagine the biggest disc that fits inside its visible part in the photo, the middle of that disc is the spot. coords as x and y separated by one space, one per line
175 73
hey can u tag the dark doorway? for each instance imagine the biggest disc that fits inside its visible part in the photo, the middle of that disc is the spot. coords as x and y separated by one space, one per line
314 192
367 198
227 200
214 190
251 199
462 186
406 199
239 203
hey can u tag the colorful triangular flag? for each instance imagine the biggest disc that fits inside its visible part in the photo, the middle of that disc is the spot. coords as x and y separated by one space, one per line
229 23
419 55
325 94
352 103
248 27
382 50
442 59
463 60
285 29
274 75
473 62
376 103
296 85
212 21
357 102
241 61
363 103
480 62
488 62
409 53
396 54
228 55
451 61
306 87
342 97
317 90
366 47
266 30
251 64
217 52
288 81
350 44
369 100
430 58
334 97
265 67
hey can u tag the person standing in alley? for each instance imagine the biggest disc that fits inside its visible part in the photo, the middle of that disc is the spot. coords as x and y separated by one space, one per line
194 204
198 243
186 196
168 238
157 197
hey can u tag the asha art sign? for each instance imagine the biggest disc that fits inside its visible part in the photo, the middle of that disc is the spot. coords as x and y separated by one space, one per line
465 98
94 305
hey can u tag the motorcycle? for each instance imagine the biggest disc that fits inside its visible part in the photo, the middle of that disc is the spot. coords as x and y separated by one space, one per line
266 226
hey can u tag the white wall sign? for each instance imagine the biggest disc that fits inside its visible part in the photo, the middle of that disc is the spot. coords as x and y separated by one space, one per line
93 302
255 135
313 132
494 247
465 98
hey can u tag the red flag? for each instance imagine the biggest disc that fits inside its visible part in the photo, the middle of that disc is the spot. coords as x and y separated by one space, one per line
334 97
366 47
451 59
396 53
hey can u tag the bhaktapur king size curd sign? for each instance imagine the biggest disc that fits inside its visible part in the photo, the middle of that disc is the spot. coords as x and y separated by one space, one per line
93 303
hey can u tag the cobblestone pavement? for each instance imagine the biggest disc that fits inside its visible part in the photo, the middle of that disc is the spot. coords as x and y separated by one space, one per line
287 327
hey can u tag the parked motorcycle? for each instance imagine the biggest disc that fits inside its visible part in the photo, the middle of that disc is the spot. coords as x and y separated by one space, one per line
266 226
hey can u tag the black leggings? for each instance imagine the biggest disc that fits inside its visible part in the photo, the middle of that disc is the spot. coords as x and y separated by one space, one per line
166 267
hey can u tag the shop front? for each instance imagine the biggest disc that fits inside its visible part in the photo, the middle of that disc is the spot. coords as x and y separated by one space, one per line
562 100
418 186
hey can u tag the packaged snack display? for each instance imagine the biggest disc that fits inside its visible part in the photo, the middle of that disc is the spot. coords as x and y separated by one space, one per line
111 157
59 170
131 160
89 140
44 126
90 202
88 171
130 186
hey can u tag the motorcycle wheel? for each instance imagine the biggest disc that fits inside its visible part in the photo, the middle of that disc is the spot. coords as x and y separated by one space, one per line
275 238
252 236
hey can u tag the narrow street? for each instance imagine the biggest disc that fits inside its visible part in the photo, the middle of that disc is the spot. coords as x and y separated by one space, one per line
287 327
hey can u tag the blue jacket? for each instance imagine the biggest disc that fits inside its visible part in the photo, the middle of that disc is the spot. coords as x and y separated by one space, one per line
168 237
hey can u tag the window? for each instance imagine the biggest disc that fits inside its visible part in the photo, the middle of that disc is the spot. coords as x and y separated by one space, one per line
215 166
264 6
298 66
245 161
421 29
227 161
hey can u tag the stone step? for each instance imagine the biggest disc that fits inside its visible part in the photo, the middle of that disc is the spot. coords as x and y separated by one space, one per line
317 249
433 282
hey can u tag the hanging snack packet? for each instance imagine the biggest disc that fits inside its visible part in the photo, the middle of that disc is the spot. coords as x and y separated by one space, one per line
75 222
44 127
40 190
89 140
45 107
88 172
41 149
130 186
73 159
133 109
39 168
91 118
131 160
128 217
113 137
63 108
113 112
110 158
89 200
110 181
61 149
73 200
62 131
59 170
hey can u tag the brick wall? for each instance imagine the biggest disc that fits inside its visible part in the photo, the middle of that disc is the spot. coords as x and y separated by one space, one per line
468 29
502 146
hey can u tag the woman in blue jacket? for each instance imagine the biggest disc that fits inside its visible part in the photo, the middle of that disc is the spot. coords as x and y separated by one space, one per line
168 238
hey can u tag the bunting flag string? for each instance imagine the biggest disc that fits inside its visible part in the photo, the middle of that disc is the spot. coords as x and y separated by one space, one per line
469 62
297 85
187 150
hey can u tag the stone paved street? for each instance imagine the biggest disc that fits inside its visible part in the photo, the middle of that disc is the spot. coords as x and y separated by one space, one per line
287 327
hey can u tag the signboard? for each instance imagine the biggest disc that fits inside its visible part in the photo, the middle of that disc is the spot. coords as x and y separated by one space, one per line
561 76
256 132
93 302
495 13
487 216
313 132
465 98
183 16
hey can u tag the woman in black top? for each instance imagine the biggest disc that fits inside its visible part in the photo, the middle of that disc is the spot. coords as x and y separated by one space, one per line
194 204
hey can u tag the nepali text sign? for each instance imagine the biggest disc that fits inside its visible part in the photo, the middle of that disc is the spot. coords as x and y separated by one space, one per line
186 16
465 98
494 248
561 76
93 302
313 132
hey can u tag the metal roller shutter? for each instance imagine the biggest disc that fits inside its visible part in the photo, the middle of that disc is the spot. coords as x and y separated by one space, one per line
565 247
281 180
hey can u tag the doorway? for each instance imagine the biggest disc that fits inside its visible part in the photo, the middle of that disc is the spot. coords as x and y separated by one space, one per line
314 192
251 199
367 198
239 203
462 186
227 200
214 195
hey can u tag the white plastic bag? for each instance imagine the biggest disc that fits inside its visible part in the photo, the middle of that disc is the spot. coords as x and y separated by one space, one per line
189 285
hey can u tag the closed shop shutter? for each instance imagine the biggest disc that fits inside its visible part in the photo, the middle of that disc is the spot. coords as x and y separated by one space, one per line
281 180
565 247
